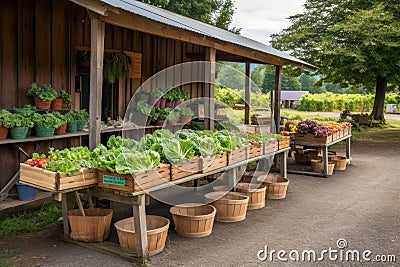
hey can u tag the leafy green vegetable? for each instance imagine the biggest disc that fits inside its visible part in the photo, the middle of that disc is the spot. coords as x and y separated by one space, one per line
5 118
178 150
45 93
66 166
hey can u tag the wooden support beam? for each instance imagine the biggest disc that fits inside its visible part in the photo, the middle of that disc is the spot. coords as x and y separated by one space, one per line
139 213
247 89
277 97
96 77
209 93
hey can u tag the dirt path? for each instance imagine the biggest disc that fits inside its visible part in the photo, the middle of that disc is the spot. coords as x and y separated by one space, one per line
360 205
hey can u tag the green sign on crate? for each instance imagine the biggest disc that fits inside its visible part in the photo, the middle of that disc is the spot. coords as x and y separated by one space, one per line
114 180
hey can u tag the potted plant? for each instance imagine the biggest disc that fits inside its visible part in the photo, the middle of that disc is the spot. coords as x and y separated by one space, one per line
27 109
156 99
82 117
62 98
72 123
171 96
115 65
42 95
63 127
46 124
186 115
173 117
145 110
19 126
5 123
180 96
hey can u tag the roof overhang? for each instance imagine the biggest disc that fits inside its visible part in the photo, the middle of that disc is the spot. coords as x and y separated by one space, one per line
230 47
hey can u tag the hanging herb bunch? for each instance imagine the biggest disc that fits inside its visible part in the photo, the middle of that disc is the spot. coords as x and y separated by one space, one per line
115 66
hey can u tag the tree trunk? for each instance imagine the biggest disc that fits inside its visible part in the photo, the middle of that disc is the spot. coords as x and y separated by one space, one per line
379 103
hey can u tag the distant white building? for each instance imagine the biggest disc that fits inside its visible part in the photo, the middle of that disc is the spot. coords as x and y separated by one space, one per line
289 98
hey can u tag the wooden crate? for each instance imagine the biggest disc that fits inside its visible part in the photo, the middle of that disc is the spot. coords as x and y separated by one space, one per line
184 169
256 150
335 136
310 139
238 155
55 181
211 163
136 182
283 143
270 146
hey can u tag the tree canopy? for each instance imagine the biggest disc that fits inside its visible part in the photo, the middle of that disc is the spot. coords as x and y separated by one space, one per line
215 12
353 43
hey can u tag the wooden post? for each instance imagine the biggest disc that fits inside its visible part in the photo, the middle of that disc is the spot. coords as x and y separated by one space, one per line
247 89
139 213
209 89
277 97
96 77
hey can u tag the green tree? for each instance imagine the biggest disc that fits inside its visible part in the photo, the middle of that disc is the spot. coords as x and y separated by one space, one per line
269 82
307 81
257 76
290 83
353 43
231 78
215 12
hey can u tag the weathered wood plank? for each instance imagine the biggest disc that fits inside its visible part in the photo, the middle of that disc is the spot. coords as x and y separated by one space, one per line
43 41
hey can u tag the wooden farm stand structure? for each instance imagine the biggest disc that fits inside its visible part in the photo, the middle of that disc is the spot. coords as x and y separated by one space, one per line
46 41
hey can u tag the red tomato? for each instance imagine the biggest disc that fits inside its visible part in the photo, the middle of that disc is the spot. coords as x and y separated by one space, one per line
285 133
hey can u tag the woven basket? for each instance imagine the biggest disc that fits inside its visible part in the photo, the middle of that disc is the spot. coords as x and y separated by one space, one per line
256 195
192 220
276 187
40 104
318 166
3 132
80 125
340 163
72 126
231 207
157 232
301 157
42 131
19 132
93 227
57 104
61 130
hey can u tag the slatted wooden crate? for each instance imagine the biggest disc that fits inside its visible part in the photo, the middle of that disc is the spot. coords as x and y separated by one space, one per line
283 143
187 168
310 139
56 181
136 182
270 146
212 163
256 150
238 155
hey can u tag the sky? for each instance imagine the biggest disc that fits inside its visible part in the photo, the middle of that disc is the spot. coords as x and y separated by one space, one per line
260 18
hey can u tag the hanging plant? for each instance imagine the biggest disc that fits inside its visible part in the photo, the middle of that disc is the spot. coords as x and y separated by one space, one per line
115 66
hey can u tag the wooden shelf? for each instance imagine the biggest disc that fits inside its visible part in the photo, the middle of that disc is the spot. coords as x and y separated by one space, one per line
35 139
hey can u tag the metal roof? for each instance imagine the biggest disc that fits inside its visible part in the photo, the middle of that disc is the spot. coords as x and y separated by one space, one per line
292 95
179 21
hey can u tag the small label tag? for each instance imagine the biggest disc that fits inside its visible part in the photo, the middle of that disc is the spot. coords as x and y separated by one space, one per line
114 180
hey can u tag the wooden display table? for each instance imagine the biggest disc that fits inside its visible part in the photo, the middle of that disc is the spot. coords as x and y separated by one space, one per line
324 147
138 200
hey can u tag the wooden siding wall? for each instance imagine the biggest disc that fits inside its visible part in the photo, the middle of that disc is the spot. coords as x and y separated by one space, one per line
38 43
158 53
34 47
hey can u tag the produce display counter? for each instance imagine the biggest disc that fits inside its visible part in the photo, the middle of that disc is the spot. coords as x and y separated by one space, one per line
324 148
138 200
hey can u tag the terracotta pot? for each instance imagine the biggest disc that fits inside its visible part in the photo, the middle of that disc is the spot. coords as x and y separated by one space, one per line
157 104
163 101
160 122
40 104
3 132
169 104
57 104
61 130
185 119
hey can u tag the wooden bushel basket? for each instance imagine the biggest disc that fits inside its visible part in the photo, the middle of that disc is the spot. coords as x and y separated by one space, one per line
276 187
93 227
193 220
340 163
157 232
318 166
256 195
231 207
